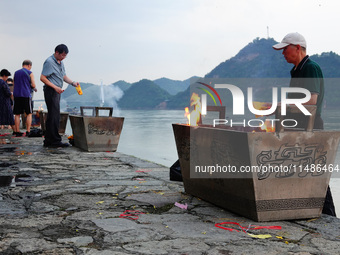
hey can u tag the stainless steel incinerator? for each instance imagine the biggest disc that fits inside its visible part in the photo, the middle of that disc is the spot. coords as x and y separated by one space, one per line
265 176
96 133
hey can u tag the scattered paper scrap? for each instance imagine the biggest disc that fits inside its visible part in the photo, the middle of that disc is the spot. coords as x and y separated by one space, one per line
131 214
158 192
143 171
260 236
312 219
184 207
245 229
139 179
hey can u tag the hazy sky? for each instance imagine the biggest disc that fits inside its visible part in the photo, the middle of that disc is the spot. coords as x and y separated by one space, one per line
129 40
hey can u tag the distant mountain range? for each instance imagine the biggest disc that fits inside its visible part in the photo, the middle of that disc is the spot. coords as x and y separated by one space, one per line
255 60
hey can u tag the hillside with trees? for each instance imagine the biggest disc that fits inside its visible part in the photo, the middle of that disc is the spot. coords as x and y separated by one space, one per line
256 60
171 86
144 94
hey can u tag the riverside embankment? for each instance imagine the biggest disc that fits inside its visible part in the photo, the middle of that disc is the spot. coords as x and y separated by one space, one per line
67 201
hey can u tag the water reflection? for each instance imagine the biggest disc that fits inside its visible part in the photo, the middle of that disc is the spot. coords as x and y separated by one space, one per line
6 181
9 149
14 181
5 141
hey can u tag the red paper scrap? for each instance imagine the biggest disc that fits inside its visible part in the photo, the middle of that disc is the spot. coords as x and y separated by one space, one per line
244 229
143 171
131 214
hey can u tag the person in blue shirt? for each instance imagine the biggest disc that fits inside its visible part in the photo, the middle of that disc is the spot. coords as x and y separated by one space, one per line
23 85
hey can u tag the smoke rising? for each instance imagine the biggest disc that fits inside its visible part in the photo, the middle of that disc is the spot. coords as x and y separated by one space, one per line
111 94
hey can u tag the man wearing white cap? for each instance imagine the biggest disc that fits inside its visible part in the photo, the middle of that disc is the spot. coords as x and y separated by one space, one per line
294 51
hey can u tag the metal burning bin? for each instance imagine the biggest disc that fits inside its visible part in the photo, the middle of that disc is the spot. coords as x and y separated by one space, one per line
247 187
35 119
62 121
96 133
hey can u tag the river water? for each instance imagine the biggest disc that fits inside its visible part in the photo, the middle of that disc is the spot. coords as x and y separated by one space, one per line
148 135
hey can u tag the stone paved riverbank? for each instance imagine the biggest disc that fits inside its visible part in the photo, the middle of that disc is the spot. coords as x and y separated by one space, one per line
67 201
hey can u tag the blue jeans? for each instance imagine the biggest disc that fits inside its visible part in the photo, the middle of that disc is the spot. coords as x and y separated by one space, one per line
52 100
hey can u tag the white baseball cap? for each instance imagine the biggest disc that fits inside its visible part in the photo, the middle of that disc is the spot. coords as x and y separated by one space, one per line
291 38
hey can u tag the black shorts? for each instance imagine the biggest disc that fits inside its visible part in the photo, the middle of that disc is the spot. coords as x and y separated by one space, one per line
22 105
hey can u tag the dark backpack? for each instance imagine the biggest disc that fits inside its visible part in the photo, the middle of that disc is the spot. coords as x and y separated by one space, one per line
36 132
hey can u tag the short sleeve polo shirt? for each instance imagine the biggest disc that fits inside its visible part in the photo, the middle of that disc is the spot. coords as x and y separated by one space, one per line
308 75
54 71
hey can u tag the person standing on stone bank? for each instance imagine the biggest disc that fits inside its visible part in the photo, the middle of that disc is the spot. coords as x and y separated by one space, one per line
6 113
306 74
23 83
10 85
53 75
11 88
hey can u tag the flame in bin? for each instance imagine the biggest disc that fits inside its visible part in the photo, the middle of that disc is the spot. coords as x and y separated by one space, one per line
187 114
261 106
268 126
194 116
